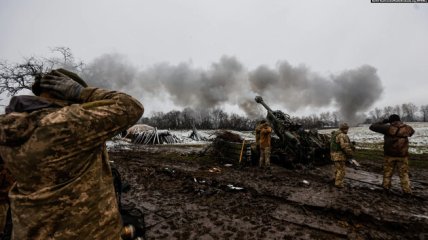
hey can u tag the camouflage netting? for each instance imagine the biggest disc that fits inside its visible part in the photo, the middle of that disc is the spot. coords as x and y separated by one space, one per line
196 136
227 146
228 136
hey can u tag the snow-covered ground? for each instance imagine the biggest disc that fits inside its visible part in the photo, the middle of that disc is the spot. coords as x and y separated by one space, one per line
361 135
184 135
209 135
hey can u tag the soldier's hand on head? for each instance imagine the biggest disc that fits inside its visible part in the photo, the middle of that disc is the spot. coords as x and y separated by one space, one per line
61 86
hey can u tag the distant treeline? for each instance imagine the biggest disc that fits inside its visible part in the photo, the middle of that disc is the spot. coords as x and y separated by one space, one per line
408 112
186 119
219 119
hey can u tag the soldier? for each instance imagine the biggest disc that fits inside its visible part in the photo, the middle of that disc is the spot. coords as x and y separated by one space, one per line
396 150
265 139
341 149
258 136
54 146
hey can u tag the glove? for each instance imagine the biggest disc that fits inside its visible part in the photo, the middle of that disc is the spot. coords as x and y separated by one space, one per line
61 86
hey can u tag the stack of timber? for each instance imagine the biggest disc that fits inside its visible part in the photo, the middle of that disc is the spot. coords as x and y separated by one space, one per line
140 128
154 137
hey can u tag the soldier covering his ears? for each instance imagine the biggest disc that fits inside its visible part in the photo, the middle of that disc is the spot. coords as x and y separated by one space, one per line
54 145
396 150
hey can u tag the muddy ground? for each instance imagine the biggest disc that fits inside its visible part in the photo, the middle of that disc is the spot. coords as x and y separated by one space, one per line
186 193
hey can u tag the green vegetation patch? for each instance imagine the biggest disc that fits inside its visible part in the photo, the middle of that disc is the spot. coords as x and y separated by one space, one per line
376 156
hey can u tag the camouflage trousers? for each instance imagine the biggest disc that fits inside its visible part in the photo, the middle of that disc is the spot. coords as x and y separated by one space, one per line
339 173
402 164
4 207
264 157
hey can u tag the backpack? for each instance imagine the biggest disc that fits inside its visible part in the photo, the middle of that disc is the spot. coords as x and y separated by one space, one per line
334 146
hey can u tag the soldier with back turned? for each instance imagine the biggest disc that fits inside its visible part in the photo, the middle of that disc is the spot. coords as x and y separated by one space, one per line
396 150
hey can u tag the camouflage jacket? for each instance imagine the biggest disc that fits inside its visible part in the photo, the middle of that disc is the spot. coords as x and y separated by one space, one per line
396 137
265 132
258 129
258 135
346 148
64 188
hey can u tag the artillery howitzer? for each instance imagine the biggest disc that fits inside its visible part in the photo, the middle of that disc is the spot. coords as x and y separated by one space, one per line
295 144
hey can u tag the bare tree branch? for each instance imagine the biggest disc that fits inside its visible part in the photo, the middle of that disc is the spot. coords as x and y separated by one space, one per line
19 76
16 77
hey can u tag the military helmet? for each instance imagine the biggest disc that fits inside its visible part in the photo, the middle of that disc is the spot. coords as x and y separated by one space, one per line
343 126
394 118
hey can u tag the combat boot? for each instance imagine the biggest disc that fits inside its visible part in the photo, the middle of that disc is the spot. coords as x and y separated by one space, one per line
406 194
386 191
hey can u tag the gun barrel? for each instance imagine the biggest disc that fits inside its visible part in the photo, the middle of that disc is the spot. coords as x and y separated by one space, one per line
259 99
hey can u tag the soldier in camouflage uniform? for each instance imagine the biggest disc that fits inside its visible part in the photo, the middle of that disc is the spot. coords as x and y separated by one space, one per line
396 150
54 146
258 128
265 144
341 149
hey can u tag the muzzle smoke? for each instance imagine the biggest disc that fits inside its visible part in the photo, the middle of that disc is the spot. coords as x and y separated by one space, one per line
352 92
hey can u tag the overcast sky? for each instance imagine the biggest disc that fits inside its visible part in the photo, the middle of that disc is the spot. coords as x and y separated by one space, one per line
328 37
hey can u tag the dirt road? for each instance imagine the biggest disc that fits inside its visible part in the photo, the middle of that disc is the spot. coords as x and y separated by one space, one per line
188 195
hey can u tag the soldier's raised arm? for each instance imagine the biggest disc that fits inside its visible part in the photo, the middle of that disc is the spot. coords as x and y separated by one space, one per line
101 114
54 146
380 127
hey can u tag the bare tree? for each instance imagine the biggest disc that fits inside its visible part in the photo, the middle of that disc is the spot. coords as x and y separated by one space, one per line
397 110
173 119
326 118
219 118
424 111
409 111
336 118
19 76
376 114
65 59
388 111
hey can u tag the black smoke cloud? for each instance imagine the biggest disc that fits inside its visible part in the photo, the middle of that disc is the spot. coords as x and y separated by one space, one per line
227 81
